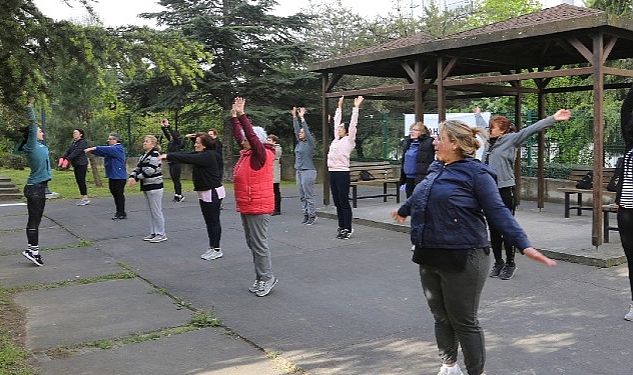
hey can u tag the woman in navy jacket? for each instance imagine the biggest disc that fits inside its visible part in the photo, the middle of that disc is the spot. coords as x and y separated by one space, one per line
449 211
114 162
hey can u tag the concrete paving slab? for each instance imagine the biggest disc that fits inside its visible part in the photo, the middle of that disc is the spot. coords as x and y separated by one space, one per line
59 265
51 235
208 351
109 309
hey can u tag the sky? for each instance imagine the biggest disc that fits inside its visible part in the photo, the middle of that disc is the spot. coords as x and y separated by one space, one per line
123 12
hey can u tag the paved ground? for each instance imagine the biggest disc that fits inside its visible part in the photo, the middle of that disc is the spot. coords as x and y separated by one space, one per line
341 307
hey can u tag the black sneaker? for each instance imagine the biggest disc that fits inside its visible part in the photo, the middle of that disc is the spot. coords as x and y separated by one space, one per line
496 269
311 220
37 259
305 219
508 272
346 234
119 217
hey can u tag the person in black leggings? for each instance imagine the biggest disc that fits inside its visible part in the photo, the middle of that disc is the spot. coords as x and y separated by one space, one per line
35 190
624 197
78 159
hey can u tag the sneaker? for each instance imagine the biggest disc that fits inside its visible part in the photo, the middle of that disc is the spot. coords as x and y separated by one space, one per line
149 238
629 316
255 287
158 238
266 286
305 219
496 269
275 213
211 254
83 202
119 217
338 232
176 197
181 198
412 247
346 234
508 272
453 370
37 259
311 220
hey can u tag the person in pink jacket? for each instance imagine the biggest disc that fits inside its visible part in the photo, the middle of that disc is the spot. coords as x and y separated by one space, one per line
338 166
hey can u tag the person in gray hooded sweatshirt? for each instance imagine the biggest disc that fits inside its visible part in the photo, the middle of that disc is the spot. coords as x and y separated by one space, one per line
500 154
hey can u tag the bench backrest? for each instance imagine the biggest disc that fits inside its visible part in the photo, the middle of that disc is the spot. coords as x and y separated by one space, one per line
577 173
378 169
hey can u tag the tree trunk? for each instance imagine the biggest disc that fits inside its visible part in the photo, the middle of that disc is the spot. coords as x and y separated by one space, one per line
95 171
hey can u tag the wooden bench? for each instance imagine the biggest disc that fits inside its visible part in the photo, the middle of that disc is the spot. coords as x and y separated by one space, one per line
606 226
577 173
383 174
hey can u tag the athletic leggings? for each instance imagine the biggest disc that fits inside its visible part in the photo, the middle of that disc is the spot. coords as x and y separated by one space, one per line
35 201
117 188
497 241
175 170
211 215
80 178
625 227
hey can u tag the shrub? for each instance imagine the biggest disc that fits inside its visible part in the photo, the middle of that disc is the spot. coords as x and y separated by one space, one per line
12 161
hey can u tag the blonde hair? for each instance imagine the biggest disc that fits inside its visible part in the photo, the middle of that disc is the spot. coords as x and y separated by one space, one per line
154 141
468 139
423 128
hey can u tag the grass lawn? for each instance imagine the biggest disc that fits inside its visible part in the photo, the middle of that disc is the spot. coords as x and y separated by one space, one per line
64 184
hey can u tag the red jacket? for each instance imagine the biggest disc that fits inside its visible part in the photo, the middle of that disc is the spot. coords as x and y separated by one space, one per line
253 173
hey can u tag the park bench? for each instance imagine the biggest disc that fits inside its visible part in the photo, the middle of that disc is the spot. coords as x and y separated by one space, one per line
381 172
606 225
577 173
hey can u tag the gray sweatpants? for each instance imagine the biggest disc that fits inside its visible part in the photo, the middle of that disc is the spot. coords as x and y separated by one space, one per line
256 233
453 297
306 179
155 217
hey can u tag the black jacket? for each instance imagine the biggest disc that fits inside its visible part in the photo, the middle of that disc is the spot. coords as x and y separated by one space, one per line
175 143
75 153
206 173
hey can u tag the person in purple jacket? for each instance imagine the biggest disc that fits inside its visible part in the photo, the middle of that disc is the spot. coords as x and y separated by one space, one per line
114 162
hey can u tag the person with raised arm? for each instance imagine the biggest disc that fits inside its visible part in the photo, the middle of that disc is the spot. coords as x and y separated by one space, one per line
254 198
338 166
306 173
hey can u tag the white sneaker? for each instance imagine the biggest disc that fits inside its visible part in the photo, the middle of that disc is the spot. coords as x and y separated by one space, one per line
83 202
149 237
266 286
158 238
255 287
452 370
629 316
211 254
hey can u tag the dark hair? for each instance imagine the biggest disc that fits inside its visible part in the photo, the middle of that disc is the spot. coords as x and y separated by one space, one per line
273 137
81 131
206 141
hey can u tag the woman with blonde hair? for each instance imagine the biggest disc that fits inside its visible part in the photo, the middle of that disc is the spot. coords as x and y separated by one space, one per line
149 172
449 211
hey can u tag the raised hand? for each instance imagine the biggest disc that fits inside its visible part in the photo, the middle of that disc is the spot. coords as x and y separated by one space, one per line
358 100
239 105
302 112
562 115
340 101
294 112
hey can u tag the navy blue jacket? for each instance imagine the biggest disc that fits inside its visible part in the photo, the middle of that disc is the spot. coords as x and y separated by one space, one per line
449 208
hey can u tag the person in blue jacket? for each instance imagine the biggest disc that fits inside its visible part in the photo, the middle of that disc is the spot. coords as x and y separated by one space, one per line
114 161
449 210
37 156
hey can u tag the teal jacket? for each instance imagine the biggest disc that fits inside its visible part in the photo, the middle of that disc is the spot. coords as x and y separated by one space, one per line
36 154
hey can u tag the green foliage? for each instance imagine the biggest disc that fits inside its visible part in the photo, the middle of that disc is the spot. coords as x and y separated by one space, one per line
617 7
486 12
202 319
12 161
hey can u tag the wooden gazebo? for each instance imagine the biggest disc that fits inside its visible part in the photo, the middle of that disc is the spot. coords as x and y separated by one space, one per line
493 61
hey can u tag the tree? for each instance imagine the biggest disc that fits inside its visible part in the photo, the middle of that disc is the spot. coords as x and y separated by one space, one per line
255 54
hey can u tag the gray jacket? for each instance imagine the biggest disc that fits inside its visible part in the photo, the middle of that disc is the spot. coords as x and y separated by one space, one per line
502 155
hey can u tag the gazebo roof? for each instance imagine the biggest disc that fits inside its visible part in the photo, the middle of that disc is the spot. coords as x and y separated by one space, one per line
537 40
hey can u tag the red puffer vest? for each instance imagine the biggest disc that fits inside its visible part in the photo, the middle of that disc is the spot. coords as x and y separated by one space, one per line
254 188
